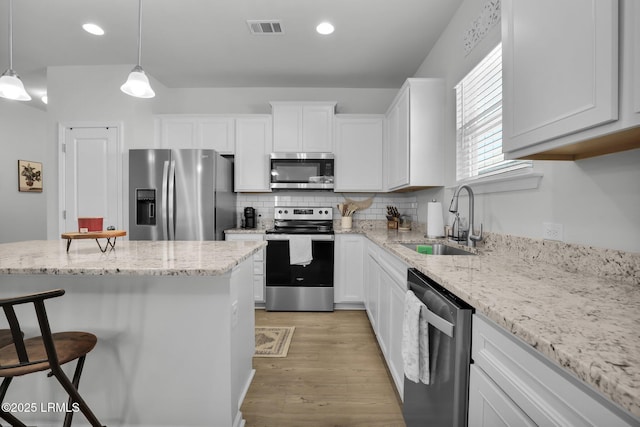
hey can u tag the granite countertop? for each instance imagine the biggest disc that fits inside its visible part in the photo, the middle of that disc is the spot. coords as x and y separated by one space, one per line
588 324
135 258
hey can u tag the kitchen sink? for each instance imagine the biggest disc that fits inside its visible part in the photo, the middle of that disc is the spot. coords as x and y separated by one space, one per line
438 249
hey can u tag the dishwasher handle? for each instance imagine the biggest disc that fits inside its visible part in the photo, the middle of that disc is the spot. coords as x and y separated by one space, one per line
437 322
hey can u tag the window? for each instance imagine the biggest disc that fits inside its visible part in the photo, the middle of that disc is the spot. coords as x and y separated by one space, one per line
479 122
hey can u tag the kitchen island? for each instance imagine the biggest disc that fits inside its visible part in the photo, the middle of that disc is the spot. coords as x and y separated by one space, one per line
174 322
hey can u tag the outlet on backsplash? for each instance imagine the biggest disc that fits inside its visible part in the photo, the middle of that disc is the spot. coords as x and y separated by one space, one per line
552 231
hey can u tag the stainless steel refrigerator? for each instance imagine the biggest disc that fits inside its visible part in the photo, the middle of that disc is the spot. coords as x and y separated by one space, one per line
180 195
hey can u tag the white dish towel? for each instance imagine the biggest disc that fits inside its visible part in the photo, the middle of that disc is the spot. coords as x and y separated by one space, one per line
300 252
415 340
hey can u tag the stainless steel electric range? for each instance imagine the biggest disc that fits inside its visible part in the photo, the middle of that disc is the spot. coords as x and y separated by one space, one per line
299 256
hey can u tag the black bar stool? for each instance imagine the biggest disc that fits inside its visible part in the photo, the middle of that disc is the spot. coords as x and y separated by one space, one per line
19 356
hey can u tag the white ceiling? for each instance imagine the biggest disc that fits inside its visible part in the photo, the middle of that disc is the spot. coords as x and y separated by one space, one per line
207 43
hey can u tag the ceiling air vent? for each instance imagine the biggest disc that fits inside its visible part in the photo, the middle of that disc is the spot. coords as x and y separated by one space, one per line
271 27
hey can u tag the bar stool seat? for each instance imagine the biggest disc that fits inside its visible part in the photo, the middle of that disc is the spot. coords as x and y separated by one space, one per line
69 346
5 337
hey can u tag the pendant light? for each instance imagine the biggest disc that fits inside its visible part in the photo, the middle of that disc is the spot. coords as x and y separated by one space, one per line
138 83
11 86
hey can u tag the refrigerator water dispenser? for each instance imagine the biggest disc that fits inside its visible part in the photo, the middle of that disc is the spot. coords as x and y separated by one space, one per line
146 206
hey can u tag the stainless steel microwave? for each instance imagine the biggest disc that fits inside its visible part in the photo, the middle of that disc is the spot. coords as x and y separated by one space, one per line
302 171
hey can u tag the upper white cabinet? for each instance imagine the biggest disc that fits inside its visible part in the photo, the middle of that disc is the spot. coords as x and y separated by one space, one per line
253 145
358 149
196 131
568 89
303 127
414 148
632 19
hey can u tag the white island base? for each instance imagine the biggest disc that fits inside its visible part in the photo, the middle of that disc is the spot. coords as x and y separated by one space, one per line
172 350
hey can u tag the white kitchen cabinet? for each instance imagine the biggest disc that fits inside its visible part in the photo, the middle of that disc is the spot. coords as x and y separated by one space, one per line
371 283
516 384
253 145
303 127
568 91
258 264
196 131
489 406
414 147
385 286
393 285
632 17
358 149
349 269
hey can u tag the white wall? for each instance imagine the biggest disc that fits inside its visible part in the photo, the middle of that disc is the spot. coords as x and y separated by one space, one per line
91 95
256 100
596 200
22 137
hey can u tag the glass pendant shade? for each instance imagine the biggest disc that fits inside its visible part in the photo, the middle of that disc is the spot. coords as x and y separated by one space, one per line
11 87
138 84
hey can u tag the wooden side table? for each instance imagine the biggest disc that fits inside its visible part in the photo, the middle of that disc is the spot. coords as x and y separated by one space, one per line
108 234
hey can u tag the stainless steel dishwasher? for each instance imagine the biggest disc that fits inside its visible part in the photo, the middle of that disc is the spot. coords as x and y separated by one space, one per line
444 401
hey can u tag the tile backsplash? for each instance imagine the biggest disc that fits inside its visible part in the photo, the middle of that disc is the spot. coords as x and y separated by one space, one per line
264 204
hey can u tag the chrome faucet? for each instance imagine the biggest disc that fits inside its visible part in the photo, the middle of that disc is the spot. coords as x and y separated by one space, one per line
453 208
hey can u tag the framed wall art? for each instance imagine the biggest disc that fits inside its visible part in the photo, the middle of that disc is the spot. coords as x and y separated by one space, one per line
29 176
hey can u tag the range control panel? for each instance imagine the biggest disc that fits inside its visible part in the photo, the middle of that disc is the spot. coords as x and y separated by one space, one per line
302 213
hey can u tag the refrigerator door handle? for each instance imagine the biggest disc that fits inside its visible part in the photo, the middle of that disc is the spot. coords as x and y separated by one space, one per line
172 202
163 198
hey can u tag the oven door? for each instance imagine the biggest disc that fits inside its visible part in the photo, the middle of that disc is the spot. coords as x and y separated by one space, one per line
298 287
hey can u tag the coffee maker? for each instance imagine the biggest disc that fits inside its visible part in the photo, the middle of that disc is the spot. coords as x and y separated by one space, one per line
249 217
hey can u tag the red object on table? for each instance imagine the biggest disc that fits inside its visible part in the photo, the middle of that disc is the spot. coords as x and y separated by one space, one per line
90 223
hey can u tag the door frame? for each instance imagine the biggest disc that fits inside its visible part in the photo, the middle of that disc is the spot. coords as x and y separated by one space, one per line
63 128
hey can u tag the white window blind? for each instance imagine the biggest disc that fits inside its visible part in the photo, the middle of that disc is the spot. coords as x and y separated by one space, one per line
479 122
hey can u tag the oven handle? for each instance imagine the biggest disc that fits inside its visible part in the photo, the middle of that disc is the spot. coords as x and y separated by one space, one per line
314 237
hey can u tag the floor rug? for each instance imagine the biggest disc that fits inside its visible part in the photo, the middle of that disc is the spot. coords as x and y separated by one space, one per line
273 341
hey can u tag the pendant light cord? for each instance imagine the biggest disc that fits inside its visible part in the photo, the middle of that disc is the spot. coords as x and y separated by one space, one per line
11 34
139 32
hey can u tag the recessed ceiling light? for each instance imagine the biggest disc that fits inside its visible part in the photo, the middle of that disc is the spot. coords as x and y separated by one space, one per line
324 28
93 29
45 99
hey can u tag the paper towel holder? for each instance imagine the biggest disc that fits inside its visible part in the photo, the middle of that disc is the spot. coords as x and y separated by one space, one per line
435 219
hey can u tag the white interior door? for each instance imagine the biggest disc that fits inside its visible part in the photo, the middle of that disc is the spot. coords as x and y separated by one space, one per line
91 172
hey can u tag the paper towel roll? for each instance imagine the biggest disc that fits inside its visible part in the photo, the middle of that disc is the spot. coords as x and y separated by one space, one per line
435 220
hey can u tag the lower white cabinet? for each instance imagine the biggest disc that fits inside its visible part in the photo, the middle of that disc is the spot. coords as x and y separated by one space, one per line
513 384
371 282
489 406
349 266
258 265
385 286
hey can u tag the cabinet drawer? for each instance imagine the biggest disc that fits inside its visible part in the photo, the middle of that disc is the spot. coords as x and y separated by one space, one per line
544 391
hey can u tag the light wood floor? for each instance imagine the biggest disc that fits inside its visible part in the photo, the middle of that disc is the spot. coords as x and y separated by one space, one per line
334 375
